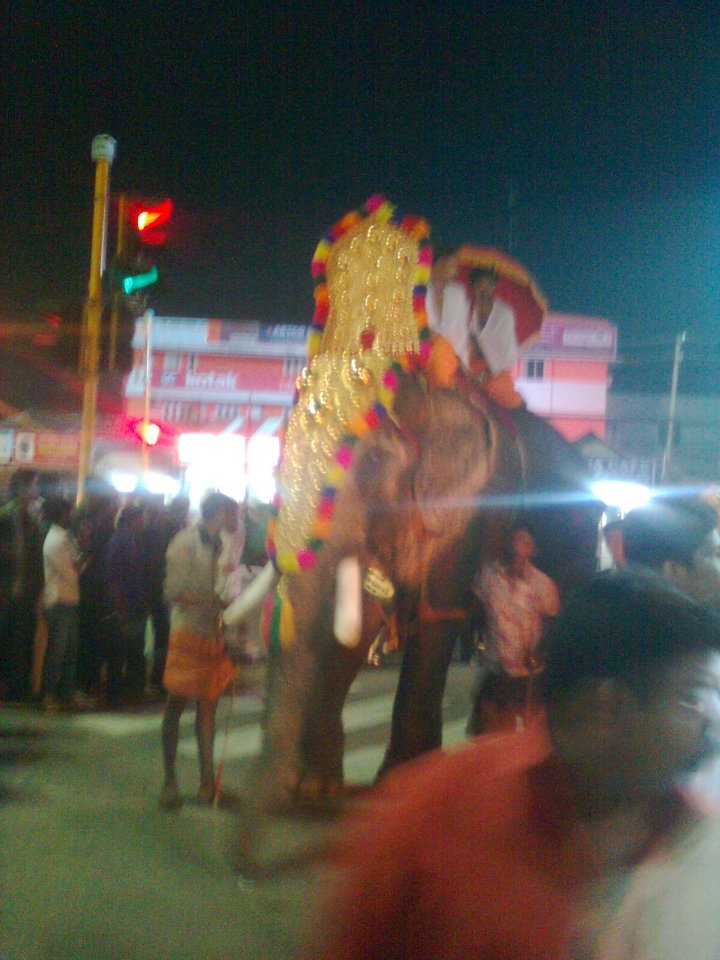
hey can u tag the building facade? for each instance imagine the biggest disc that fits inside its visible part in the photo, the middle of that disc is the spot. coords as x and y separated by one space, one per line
237 380
564 376
637 424
216 375
220 391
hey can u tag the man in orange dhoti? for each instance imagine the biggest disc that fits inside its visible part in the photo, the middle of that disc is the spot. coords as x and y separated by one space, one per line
198 667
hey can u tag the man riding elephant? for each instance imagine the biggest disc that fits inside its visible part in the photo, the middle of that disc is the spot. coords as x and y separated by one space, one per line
482 306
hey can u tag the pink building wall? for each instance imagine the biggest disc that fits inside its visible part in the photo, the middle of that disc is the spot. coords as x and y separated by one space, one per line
213 374
564 374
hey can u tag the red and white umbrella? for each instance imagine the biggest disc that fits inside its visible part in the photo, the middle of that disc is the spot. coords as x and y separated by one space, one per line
515 287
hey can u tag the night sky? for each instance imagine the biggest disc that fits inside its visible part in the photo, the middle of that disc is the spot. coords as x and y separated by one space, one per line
267 122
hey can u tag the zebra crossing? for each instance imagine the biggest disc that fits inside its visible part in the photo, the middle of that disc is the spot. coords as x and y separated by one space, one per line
366 717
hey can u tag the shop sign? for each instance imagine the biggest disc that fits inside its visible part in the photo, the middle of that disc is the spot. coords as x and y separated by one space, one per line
46 447
623 468
283 331
57 448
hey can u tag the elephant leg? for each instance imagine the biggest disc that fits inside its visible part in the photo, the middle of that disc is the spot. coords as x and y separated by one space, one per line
291 675
417 710
323 742
278 772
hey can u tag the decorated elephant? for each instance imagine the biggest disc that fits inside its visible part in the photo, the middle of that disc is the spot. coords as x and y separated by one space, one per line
392 494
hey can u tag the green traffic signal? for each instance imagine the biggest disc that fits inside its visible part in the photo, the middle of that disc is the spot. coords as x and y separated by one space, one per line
140 280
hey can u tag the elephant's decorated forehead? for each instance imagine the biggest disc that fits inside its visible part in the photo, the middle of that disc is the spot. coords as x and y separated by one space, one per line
370 281
371 271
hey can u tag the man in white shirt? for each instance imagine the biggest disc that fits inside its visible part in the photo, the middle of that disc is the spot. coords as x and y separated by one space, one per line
60 602
491 328
479 327
517 600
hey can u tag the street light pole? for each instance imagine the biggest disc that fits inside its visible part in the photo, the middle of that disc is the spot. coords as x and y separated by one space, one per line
103 154
147 317
117 295
679 341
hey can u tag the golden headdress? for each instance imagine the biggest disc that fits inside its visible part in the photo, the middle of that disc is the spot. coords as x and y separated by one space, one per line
371 271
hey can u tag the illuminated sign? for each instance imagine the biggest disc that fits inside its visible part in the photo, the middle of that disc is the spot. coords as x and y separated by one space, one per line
283 331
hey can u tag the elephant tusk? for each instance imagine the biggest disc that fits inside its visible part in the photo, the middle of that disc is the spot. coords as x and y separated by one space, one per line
252 598
348 602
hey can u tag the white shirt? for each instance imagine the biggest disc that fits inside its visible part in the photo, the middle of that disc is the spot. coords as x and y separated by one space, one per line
452 322
515 609
60 563
670 911
497 339
229 580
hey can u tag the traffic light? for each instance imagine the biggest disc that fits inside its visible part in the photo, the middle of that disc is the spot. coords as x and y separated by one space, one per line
149 220
142 231
149 432
131 283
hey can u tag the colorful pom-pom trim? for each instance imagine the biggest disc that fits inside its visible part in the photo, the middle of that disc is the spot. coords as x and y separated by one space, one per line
288 562
379 208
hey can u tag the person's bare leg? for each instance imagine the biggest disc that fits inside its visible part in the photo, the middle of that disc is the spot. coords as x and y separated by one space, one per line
205 731
174 707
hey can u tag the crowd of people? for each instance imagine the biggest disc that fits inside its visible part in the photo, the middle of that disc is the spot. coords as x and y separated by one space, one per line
78 587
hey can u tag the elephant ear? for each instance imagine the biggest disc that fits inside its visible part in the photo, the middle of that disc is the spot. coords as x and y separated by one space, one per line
456 462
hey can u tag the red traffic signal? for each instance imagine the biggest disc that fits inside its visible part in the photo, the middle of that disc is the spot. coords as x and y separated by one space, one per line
147 219
149 432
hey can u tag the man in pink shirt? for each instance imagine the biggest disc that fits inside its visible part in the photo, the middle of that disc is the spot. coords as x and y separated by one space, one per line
518 600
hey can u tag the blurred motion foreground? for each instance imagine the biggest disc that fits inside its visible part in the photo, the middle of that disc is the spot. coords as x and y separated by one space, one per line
584 837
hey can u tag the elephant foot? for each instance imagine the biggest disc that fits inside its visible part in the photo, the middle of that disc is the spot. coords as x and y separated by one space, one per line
291 791
319 793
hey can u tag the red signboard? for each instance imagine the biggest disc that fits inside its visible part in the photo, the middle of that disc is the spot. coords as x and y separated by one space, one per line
46 448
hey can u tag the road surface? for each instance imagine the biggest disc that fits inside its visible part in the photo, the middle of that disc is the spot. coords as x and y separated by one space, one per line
92 870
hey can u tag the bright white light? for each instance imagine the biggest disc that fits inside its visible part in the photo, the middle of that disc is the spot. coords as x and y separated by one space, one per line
213 463
262 459
195 447
163 484
622 494
123 482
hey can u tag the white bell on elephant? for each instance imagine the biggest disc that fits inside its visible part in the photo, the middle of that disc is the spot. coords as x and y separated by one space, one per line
348 602
252 597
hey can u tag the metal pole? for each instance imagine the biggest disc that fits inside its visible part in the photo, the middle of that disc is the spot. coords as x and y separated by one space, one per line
146 395
103 153
679 341
117 296
511 204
